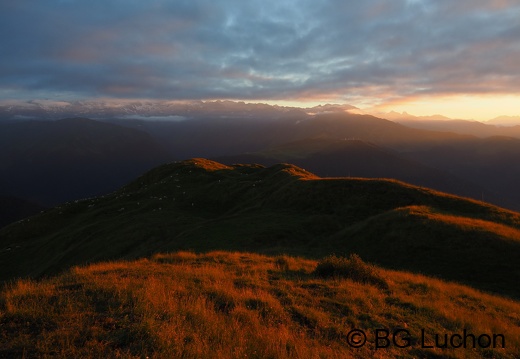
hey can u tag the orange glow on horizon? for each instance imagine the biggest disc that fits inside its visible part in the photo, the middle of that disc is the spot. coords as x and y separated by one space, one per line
466 107
479 108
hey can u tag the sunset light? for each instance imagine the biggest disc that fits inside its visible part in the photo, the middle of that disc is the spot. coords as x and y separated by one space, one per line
281 179
459 59
479 108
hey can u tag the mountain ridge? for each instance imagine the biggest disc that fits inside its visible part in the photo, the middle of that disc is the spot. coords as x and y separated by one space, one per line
357 158
202 205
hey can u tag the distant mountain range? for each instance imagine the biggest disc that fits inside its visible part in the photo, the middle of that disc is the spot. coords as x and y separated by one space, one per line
474 128
155 110
49 162
181 110
214 136
417 150
505 121
356 158
404 117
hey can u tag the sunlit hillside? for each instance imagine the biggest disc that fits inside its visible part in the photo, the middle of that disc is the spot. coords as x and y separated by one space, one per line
242 305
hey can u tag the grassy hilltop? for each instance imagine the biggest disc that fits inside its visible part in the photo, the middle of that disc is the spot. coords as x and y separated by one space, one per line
215 261
242 305
202 205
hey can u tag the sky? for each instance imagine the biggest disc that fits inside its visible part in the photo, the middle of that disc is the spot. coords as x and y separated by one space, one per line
456 58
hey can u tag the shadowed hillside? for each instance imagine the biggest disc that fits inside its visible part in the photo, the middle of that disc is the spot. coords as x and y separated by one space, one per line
203 205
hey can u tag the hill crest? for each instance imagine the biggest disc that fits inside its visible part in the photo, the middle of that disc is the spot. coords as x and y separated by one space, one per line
202 205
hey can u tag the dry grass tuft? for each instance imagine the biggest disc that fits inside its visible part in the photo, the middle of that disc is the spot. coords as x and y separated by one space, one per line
352 267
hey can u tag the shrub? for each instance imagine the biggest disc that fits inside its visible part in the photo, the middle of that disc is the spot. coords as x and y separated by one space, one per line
352 267
222 301
282 263
180 257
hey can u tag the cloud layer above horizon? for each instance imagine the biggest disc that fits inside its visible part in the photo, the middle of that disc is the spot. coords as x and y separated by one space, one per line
361 52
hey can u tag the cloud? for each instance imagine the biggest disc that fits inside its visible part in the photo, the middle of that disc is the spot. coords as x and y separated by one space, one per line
369 51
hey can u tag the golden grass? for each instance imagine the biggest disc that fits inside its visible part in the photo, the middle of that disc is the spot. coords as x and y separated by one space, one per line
208 165
239 305
300 173
466 223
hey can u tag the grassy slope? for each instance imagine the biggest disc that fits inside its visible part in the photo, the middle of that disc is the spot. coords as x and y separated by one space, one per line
238 305
202 205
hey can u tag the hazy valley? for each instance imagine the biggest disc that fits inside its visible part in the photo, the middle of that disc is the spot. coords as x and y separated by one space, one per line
69 160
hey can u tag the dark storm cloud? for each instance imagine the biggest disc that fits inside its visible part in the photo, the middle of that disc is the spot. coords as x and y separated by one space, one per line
272 49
